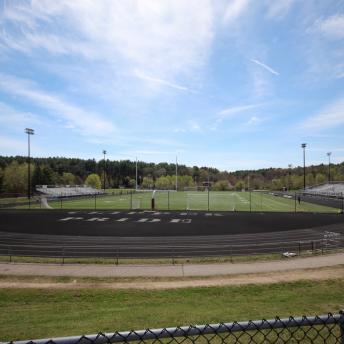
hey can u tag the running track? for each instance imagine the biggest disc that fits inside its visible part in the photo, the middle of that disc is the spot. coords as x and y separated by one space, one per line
134 234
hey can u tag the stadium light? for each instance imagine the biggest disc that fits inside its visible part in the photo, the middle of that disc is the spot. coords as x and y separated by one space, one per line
104 152
289 179
136 175
176 173
29 132
304 145
329 166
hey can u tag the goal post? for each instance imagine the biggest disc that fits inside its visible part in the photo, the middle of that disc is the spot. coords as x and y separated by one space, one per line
197 200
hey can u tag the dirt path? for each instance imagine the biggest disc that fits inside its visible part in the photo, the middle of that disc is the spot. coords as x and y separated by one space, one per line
319 267
263 278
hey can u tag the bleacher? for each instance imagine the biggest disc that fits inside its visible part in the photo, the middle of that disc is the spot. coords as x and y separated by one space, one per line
53 191
334 189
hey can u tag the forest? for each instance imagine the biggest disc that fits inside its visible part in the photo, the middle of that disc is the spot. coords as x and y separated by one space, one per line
122 174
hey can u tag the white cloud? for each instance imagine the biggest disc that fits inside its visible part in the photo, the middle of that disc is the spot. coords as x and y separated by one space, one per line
161 38
12 146
85 122
142 76
329 117
233 111
278 9
254 120
13 118
331 27
235 9
264 66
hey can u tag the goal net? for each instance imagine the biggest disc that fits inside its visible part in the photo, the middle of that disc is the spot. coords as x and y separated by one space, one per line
197 200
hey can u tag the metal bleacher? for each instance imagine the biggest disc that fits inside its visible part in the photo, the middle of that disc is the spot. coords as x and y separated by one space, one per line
333 189
53 191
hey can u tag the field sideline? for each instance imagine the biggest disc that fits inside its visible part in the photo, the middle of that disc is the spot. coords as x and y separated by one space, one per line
192 200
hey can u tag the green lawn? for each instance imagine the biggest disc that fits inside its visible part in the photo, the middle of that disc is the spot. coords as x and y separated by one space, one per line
182 200
34 313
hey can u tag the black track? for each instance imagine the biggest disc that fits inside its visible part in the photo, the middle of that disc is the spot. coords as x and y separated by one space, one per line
152 234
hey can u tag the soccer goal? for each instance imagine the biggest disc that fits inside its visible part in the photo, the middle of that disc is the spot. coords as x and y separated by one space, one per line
197 200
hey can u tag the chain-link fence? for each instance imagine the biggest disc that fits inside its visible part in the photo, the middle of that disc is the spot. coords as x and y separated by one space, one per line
319 329
206 200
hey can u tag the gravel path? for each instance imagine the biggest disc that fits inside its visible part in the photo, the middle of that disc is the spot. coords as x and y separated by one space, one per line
189 270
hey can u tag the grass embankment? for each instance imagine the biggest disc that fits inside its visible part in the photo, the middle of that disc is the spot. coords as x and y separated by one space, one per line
38 313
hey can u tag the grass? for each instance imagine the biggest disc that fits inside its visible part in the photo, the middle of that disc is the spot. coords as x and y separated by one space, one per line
182 200
138 261
34 313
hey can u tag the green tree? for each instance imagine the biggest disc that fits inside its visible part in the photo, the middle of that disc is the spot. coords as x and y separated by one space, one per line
67 178
93 180
240 185
15 177
320 178
147 183
221 185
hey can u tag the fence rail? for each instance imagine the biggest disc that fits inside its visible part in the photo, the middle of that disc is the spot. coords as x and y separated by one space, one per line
166 250
306 329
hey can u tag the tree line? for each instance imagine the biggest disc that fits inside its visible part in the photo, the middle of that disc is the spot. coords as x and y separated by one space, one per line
72 171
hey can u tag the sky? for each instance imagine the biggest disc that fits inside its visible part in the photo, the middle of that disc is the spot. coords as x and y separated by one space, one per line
236 84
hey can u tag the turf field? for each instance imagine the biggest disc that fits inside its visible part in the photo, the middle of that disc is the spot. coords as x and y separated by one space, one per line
191 200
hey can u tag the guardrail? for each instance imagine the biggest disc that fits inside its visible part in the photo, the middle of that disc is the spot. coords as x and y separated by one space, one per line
306 329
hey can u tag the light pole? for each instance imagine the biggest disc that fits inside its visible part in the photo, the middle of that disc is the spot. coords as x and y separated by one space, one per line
289 172
303 145
29 132
176 173
329 166
104 152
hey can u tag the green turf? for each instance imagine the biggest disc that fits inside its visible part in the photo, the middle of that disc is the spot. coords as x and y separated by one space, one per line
182 200
29 313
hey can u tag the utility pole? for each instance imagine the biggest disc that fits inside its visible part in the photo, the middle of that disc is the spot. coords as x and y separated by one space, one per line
29 132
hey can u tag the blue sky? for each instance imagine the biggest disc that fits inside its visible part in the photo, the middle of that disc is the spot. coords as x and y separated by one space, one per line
230 84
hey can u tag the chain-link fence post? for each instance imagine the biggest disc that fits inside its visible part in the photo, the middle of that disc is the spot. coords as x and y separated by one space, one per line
341 326
131 200
95 201
168 199
208 197
250 201
295 202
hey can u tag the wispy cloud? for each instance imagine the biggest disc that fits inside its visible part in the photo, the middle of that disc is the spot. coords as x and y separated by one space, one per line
278 9
85 122
264 66
10 117
164 39
158 81
330 116
234 9
331 27
233 111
